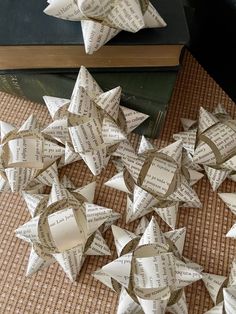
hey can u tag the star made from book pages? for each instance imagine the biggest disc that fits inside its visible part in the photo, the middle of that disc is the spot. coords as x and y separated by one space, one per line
230 200
92 124
211 143
150 272
27 157
222 291
65 228
101 20
156 180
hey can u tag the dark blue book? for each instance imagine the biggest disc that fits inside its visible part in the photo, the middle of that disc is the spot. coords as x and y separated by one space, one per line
30 39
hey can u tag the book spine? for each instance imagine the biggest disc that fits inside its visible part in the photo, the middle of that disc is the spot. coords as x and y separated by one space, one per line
34 86
145 92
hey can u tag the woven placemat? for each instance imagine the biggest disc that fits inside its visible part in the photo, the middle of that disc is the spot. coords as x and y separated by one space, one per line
49 291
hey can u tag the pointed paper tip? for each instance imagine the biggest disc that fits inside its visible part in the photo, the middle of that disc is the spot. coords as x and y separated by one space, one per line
145 146
228 197
177 236
173 150
195 176
96 216
153 234
232 232
120 274
216 176
168 214
133 118
88 191
115 229
206 120
117 182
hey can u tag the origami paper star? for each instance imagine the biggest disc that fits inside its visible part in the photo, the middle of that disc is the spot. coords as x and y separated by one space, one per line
150 271
26 156
101 20
65 228
92 123
212 144
222 291
156 180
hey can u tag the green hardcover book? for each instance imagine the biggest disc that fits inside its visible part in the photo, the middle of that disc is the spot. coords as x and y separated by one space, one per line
146 91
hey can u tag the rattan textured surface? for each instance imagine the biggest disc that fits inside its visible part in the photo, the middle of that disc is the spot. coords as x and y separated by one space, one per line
49 291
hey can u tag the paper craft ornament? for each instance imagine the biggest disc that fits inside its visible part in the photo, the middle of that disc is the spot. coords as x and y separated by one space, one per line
222 291
149 273
27 157
92 124
156 180
65 228
104 19
211 144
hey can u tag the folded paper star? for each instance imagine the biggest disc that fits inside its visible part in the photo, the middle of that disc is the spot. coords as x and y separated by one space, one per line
92 123
150 271
26 156
222 291
211 144
65 228
156 180
101 20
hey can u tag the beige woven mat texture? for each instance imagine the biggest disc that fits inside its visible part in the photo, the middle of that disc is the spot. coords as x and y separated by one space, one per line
49 291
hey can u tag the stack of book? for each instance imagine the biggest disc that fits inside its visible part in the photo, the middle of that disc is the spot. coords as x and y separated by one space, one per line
41 55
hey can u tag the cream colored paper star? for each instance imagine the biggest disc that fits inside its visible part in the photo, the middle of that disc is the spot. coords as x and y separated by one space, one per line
65 228
27 157
156 180
92 124
101 20
150 271
212 144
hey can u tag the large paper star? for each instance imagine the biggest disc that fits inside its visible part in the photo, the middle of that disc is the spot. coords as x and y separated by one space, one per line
101 20
27 157
156 180
222 291
150 271
65 228
92 123
212 144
